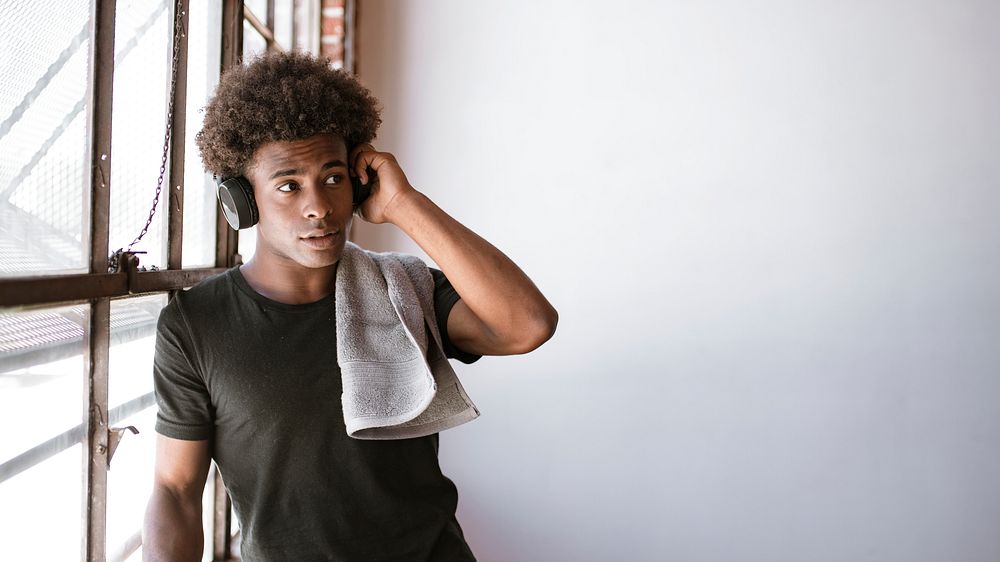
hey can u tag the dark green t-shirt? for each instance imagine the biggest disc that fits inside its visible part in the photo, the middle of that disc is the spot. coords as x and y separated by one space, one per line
260 380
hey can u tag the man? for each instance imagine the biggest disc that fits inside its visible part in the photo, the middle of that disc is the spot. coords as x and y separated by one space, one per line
246 366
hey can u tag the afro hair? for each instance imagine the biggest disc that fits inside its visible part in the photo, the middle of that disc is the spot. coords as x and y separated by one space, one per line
285 96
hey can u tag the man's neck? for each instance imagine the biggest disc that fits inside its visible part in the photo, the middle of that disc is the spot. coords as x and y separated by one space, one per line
289 283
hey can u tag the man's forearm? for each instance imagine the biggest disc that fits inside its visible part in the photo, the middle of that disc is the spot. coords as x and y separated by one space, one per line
172 529
491 285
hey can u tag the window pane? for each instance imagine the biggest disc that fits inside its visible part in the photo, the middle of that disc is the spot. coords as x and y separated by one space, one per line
41 389
43 137
41 514
143 51
307 17
283 23
133 335
253 43
247 243
130 480
259 9
130 387
199 189
41 376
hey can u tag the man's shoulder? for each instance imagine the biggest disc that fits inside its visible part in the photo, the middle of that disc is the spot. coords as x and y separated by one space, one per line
202 300
208 290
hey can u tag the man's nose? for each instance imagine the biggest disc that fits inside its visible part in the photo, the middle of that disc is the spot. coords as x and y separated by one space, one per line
317 202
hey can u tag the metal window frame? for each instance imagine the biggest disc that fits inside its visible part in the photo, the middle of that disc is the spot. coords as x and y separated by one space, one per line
265 27
98 331
98 287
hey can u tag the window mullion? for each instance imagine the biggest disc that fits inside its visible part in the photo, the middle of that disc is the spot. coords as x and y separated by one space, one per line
98 327
350 26
222 526
95 470
226 239
178 125
227 246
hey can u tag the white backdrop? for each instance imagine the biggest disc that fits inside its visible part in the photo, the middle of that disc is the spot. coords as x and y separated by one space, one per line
771 232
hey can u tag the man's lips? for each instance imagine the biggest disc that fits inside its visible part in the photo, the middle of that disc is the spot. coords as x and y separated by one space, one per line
319 233
320 240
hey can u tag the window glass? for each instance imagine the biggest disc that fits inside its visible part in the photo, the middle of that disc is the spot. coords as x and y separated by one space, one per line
259 9
133 335
253 43
42 510
41 376
204 48
131 403
143 52
130 480
44 156
235 536
41 390
248 243
283 22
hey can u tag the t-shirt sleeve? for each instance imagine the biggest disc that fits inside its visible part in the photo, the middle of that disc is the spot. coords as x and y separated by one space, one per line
445 298
185 407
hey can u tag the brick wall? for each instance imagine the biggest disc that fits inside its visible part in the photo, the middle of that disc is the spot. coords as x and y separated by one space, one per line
332 29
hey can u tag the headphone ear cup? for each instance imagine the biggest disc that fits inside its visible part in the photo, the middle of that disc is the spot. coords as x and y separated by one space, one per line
238 204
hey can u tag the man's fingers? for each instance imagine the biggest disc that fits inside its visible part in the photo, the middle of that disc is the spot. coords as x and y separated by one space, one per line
363 147
363 156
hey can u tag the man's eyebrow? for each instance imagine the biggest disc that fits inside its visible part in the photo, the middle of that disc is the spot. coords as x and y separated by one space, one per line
334 164
279 173
295 171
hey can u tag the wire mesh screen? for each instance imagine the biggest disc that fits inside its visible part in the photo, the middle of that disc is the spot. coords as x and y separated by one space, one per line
43 136
143 52
204 22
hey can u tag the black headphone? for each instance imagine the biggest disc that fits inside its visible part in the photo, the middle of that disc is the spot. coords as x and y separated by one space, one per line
240 208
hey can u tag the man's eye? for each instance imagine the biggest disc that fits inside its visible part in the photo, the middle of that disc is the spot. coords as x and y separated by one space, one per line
334 179
287 187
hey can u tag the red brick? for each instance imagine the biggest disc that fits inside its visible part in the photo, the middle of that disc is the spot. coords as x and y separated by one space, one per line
333 26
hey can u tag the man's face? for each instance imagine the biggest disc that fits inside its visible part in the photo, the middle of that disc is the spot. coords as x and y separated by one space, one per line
305 200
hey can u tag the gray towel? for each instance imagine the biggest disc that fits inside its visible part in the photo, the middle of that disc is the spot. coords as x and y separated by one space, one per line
397 381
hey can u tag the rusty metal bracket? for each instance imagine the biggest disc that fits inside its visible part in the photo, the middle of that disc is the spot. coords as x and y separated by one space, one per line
115 435
127 262
131 269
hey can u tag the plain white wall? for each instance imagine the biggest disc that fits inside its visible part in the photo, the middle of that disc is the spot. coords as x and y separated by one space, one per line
771 231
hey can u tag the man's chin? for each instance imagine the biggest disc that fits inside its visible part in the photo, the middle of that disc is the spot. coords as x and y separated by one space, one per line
314 259
319 262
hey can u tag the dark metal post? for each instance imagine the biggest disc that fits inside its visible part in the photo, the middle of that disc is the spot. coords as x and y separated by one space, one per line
350 33
295 24
97 334
96 452
222 530
175 227
226 246
226 241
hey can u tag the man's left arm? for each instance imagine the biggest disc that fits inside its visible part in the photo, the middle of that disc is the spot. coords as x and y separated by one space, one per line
501 312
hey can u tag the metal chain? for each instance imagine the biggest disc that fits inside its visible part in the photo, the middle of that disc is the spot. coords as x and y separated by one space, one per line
114 261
